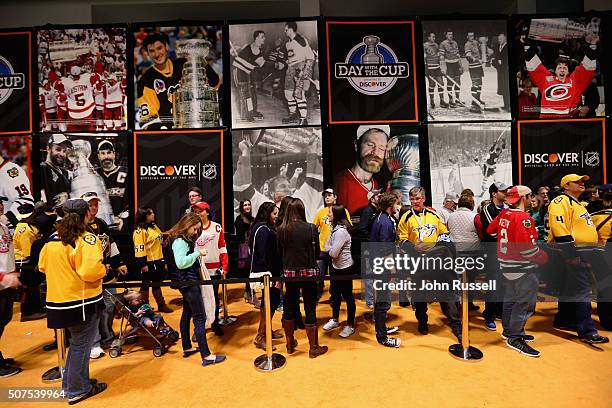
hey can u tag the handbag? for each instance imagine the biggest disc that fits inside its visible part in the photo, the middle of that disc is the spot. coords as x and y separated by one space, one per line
244 255
257 275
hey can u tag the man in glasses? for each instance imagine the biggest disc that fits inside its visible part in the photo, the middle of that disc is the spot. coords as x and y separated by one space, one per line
575 234
353 184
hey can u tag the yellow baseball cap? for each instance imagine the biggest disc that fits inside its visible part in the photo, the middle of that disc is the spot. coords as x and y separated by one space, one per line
572 177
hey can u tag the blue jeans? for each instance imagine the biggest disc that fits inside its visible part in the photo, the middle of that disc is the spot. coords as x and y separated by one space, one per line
76 373
105 334
193 308
520 297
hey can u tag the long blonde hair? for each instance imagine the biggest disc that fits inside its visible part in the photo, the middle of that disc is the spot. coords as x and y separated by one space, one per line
180 228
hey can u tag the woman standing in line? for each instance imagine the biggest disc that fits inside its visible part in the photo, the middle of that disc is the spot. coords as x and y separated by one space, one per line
297 242
185 267
338 246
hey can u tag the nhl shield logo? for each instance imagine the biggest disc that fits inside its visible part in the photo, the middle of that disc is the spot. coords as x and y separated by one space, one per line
209 171
592 159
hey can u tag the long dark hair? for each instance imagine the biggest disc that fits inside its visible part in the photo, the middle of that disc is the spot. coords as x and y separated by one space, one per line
71 227
295 213
141 217
340 218
247 218
283 208
265 213
179 230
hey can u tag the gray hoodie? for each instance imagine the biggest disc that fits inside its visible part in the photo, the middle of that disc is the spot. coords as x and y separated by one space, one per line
338 246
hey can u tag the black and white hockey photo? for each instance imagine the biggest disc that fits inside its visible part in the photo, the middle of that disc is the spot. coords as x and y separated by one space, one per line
82 79
275 74
466 70
75 164
178 76
270 164
468 156
558 67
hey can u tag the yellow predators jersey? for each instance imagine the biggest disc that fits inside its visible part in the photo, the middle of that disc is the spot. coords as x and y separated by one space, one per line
148 244
570 222
74 274
603 224
426 226
25 235
321 220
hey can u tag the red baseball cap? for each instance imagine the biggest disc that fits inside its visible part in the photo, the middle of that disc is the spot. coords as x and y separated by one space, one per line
201 205
515 193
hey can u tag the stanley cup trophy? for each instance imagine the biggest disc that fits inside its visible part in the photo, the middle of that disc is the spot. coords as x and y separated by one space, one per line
195 103
85 179
404 163
557 30
371 55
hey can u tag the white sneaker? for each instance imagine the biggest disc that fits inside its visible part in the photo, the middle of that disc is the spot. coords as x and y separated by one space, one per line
96 352
347 331
331 325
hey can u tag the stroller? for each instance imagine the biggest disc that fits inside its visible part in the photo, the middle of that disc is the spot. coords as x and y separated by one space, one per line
131 329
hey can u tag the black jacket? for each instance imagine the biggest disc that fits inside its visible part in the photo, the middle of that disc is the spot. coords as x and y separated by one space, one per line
299 249
264 249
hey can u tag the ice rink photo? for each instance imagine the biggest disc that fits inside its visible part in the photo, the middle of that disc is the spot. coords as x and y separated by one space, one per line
466 70
82 79
275 74
470 156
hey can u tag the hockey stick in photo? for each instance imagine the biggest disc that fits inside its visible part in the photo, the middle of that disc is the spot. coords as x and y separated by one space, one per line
444 92
474 100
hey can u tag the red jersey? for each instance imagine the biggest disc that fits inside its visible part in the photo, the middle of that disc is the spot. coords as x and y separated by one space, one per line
516 235
351 193
560 98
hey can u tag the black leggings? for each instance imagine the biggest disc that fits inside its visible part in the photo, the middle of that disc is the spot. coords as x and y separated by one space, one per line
292 300
275 295
342 289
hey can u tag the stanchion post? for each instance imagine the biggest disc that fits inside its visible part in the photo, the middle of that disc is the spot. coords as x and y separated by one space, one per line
226 320
464 351
55 374
269 361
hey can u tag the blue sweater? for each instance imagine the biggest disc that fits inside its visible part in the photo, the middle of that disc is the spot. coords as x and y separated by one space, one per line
186 261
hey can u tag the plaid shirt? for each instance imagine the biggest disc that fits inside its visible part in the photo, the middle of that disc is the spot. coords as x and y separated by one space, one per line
301 273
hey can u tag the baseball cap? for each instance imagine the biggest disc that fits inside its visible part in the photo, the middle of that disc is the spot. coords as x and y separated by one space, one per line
452 196
497 186
572 177
373 193
361 130
58 138
24 211
90 195
75 205
328 191
202 205
515 193
106 145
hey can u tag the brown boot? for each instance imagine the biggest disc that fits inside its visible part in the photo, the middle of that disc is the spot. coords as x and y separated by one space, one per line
260 339
289 327
161 302
313 338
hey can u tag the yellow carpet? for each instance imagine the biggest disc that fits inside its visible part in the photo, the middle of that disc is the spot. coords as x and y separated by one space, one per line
355 372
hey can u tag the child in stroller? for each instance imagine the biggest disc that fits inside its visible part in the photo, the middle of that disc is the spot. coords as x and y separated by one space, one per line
138 318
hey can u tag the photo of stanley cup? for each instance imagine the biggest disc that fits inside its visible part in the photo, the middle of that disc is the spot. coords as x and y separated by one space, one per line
557 30
371 55
85 178
195 103
404 163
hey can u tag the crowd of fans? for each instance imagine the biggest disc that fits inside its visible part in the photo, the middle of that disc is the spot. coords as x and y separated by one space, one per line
564 228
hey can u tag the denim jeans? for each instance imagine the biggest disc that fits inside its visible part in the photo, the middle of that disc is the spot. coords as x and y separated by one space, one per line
520 297
193 308
105 333
76 373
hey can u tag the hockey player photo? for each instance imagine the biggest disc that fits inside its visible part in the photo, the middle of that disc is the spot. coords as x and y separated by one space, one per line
82 79
270 164
15 189
373 157
559 58
470 156
73 164
178 77
466 70
275 74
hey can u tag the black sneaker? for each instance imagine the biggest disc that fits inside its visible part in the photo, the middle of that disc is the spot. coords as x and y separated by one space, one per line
404 304
565 326
594 339
522 347
457 333
8 371
394 342
95 389
472 307
218 330
423 328
527 337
